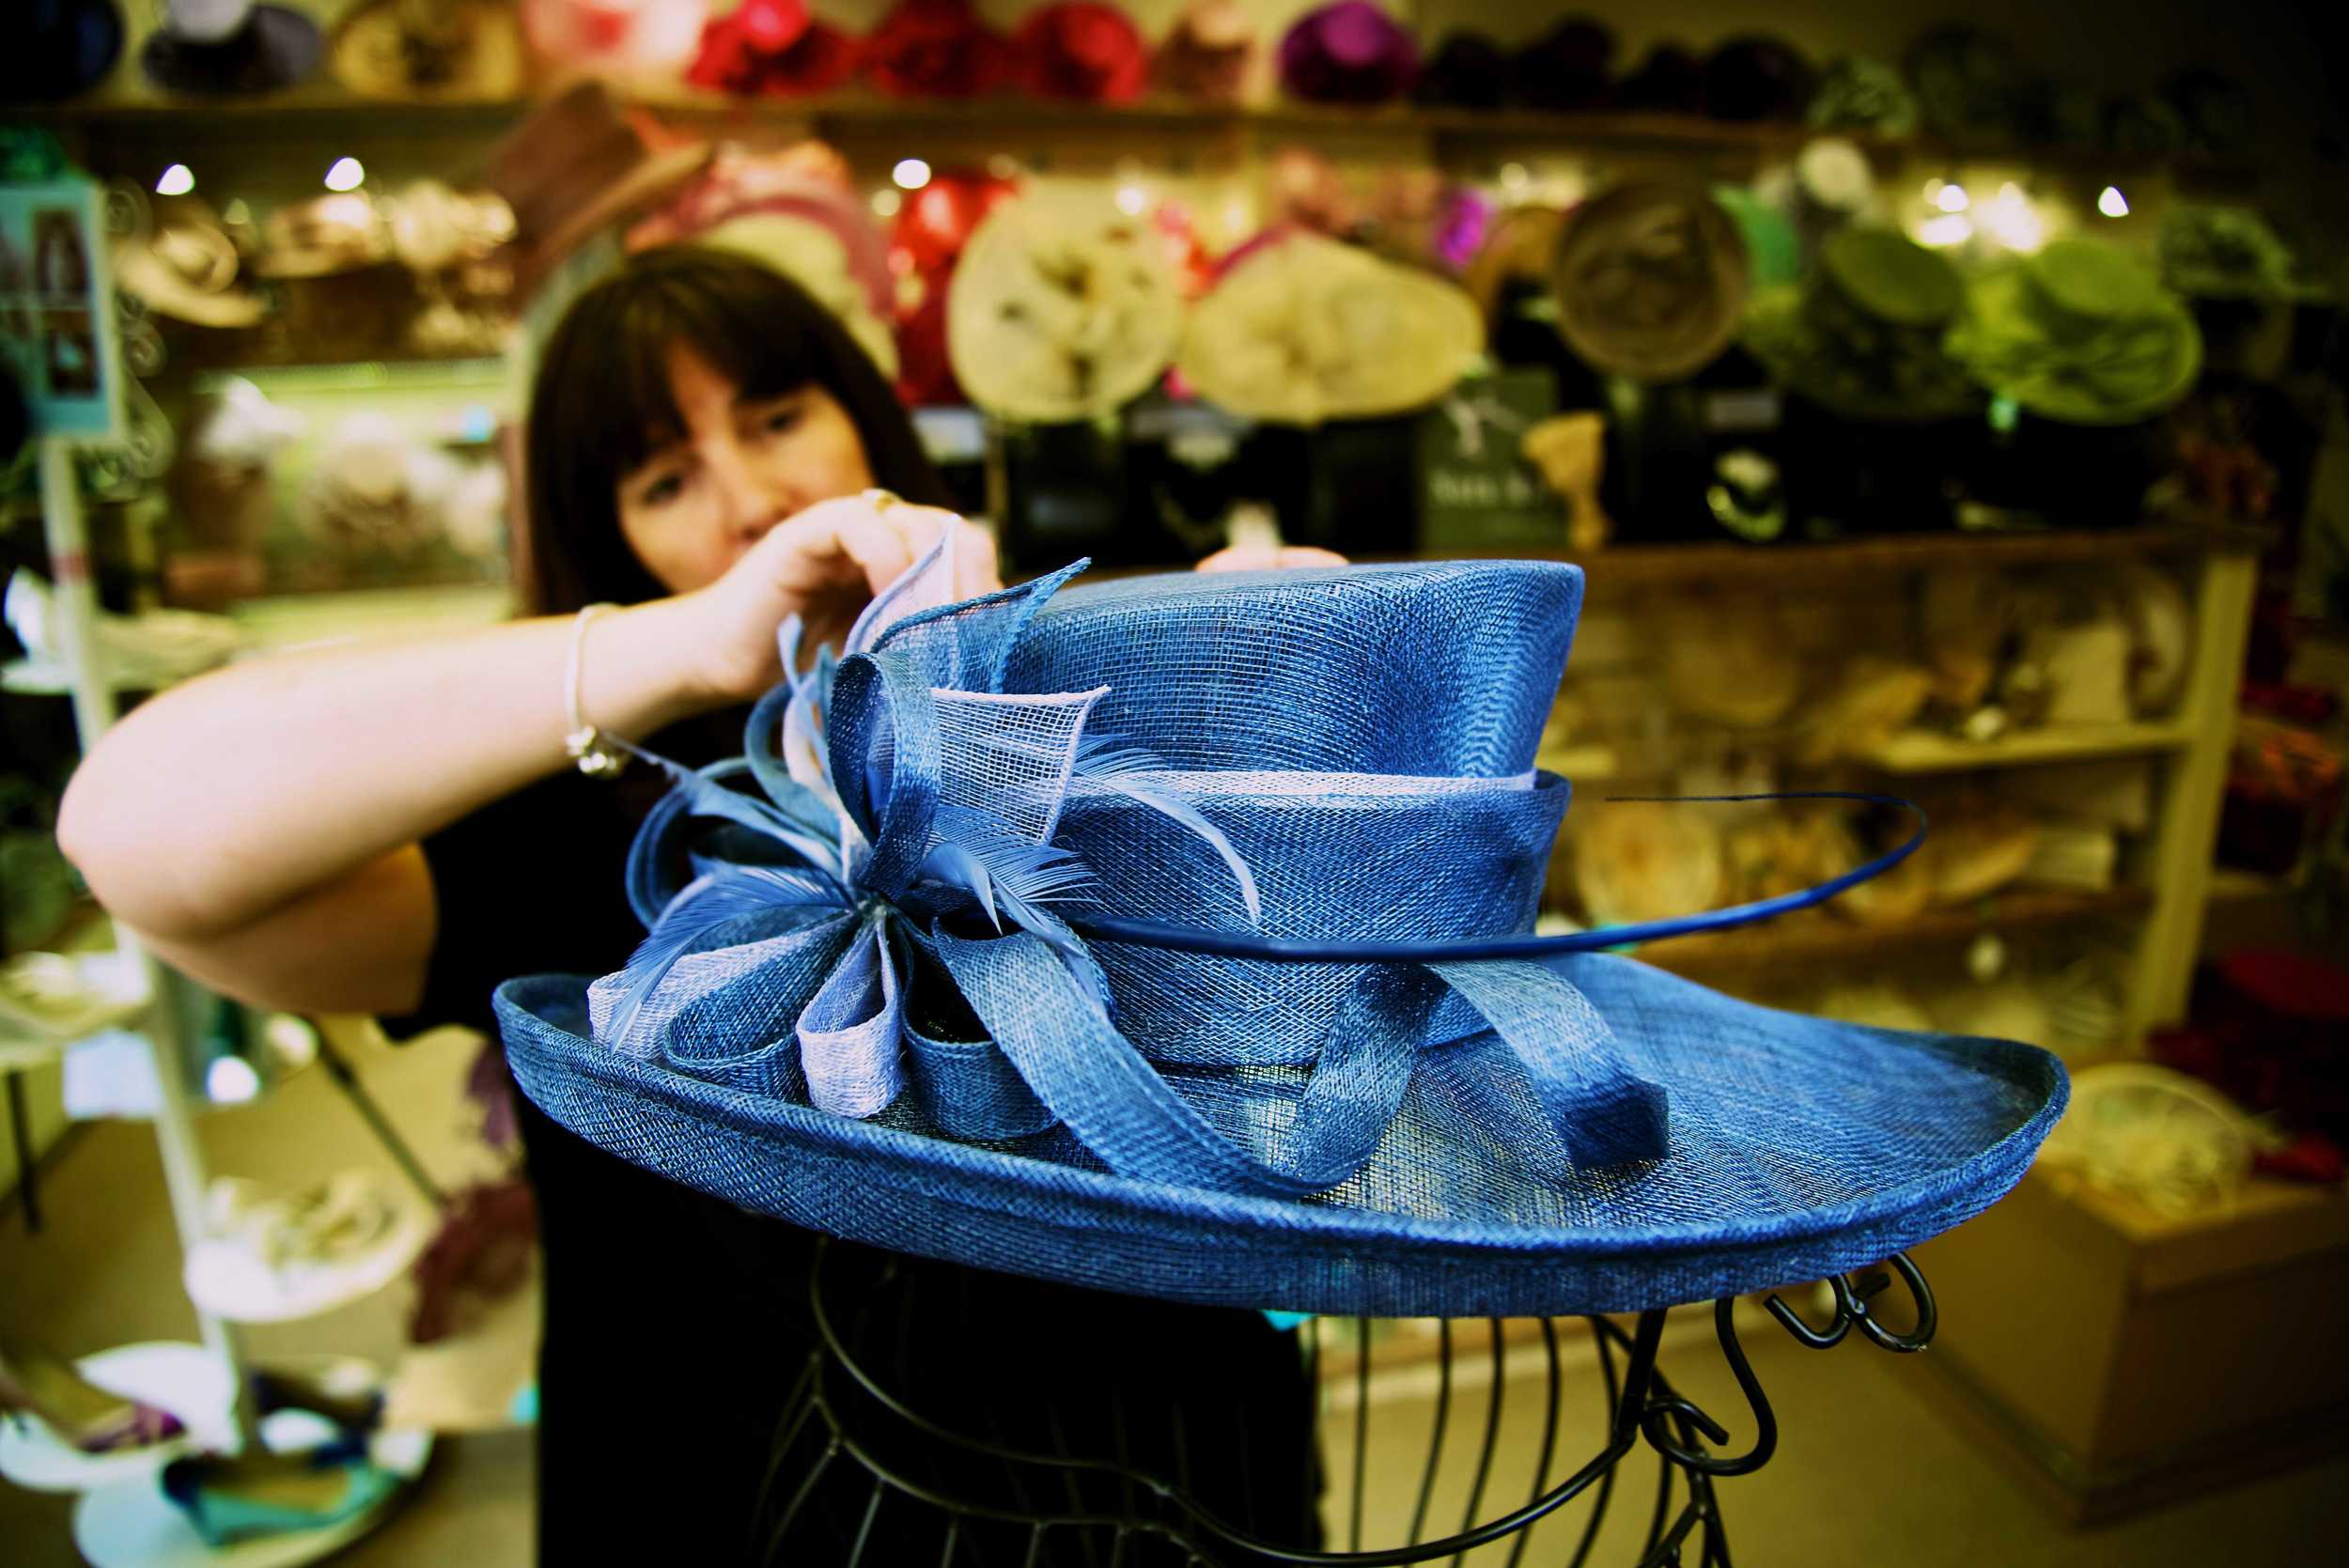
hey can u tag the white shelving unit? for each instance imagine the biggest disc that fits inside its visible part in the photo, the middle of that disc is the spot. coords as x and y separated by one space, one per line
123 1520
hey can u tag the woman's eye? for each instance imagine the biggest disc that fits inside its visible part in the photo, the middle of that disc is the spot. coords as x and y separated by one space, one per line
778 420
661 491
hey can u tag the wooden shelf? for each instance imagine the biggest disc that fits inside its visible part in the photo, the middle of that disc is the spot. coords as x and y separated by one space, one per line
1924 751
1789 944
1176 125
1643 566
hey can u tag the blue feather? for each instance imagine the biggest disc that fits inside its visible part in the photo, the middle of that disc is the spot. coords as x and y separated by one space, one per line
1005 872
1112 764
724 893
705 796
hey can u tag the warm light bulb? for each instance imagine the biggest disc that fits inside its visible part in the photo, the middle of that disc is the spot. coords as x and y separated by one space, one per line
1131 199
2013 222
231 1080
910 173
1951 198
178 181
347 175
1949 228
2111 203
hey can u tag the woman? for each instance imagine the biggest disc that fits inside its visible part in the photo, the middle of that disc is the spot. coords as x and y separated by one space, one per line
398 830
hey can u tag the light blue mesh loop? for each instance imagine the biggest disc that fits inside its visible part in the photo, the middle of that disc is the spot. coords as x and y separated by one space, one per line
733 1020
852 1028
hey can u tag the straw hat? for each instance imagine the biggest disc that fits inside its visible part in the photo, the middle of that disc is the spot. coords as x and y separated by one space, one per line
575 165
1303 328
431 51
1061 310
185 267
1650 281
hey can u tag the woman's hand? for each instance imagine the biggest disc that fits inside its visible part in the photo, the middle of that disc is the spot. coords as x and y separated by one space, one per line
824 566
1267 558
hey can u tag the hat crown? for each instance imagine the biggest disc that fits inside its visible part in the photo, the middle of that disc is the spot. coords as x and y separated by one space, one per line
2087 284
1440 669
1891 277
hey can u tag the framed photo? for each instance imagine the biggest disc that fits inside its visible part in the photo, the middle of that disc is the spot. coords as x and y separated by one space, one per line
56 307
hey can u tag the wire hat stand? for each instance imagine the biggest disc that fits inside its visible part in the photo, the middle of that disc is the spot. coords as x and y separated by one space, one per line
1094 1467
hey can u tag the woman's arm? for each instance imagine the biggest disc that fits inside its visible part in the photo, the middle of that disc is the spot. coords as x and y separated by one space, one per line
257 824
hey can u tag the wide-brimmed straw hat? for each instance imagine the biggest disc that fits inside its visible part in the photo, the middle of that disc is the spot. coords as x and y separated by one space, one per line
1172 935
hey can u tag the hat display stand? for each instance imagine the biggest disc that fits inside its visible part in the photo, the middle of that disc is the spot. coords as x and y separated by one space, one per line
859 1473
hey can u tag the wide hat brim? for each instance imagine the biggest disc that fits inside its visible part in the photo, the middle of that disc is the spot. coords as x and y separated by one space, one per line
538 255
1800 1148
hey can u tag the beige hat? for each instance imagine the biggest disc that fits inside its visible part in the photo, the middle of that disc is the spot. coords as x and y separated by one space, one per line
429 51
1650 281
1304 329
186 268
1061 310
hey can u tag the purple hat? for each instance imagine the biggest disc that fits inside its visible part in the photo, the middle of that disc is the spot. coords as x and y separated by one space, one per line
1349 52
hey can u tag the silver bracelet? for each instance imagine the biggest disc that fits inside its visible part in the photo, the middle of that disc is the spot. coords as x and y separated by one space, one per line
596 753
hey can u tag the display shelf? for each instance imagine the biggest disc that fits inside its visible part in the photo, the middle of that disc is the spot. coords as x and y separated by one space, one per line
1924 751
220 1278
1663 565
1826 938
1176 125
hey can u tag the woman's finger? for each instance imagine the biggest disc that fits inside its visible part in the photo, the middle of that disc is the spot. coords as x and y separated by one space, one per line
1266 558
976 569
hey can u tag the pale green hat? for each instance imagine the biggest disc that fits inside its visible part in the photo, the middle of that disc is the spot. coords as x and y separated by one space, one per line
2082 333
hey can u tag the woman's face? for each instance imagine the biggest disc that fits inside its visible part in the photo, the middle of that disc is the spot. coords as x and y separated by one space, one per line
744 464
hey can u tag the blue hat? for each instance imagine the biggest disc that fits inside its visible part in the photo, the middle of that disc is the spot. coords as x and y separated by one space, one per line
1044 942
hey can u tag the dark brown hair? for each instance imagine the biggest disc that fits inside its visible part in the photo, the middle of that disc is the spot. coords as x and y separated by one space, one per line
600 405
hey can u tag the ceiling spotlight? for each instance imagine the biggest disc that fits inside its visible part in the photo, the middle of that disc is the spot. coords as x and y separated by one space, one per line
910 173
177 180
347 175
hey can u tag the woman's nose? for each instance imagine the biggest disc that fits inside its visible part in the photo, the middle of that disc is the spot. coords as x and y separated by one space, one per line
750 501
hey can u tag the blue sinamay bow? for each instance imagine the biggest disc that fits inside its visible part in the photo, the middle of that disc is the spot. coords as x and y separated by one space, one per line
879 917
